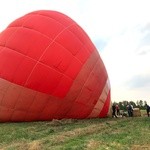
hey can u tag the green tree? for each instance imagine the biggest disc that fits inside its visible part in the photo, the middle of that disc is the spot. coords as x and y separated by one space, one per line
137 103
133 103
121 106
141 104
145 102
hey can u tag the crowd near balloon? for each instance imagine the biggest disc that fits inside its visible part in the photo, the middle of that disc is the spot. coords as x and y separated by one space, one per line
130 109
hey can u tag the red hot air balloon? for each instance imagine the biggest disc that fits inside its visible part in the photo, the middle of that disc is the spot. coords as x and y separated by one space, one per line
50 69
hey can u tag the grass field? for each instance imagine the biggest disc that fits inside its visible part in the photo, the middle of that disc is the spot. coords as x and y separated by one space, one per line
89 134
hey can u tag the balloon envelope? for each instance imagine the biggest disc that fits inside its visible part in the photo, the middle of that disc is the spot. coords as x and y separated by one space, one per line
50 69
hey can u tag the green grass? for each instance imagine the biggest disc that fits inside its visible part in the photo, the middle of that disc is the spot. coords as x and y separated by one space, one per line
88 134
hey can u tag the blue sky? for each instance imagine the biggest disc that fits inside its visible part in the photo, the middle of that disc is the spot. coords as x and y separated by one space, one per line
120 29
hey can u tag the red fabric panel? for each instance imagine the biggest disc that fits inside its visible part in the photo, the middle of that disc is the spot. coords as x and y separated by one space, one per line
43 79
28 42
105 109
63 19
82 36
25 100
5 35
64 108
63 87
19 22
93 83
83 54
73 69
84 96
80 33
57 56
10 98
5 114
18 116
14 66
48 25
79 111
31 116
50 110
39 103
9 62
23 70
69 41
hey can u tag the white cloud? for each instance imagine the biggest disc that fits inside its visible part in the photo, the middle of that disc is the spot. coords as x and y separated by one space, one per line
123 60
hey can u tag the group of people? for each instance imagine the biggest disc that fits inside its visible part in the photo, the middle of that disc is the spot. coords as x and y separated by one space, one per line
116 110
129 107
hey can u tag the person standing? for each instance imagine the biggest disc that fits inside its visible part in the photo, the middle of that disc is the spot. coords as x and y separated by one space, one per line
118 110
147 109
130 110
114 111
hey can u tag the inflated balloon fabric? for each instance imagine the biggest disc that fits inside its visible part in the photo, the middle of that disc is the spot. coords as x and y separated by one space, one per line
50 69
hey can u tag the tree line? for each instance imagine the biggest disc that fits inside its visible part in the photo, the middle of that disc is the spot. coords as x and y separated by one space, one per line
138 104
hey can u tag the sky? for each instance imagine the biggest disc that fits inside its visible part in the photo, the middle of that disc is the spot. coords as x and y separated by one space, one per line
120 30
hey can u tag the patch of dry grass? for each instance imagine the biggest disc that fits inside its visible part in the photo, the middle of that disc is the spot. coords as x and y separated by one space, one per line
88 134
93 144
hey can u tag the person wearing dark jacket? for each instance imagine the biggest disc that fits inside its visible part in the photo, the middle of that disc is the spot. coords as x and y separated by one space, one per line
114 111
147 109
130 110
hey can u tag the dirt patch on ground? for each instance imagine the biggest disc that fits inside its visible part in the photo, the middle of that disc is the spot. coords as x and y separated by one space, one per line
140 147
93 144
66 135
56 122
35 145
20 145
